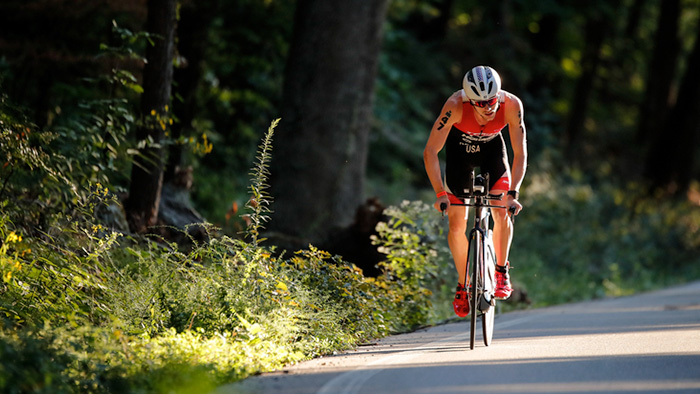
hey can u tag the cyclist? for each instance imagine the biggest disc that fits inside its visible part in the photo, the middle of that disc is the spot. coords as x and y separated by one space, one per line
469 128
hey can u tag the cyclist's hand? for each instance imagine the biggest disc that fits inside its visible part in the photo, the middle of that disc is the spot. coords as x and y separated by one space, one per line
442 202
514 206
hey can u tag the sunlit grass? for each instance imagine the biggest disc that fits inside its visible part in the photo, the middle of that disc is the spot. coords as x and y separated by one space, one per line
90 309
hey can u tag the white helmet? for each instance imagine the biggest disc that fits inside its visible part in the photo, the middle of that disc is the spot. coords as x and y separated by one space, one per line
481 83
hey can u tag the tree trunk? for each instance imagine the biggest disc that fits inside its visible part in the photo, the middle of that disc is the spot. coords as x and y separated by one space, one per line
147 170
670 159
596 30
319 159
634 18
625 63
687 110
662 68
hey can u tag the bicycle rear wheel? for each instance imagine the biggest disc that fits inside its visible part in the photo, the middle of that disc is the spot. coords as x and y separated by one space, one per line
487 318
476 285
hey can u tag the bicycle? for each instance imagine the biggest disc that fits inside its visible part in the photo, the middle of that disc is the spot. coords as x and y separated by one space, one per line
481 256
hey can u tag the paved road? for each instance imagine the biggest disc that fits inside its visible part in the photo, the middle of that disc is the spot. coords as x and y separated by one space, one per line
648 343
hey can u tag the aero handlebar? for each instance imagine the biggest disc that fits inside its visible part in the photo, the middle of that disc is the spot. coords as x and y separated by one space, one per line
511 210
479 186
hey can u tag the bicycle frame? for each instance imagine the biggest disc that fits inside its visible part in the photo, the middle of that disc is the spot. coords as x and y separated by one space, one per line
481 257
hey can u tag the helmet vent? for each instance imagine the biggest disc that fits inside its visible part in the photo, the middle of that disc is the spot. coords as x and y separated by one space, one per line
481 83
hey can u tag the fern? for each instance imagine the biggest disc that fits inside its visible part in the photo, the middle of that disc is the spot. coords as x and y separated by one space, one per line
260 200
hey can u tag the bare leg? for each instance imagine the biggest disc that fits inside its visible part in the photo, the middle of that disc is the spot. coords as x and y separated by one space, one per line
457 240
502 231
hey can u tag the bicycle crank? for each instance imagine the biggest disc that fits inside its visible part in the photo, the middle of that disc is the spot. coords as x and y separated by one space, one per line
486 301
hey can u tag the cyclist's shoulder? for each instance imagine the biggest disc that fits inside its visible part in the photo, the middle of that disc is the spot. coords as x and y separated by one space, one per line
456 98
454 102
511 102
509 97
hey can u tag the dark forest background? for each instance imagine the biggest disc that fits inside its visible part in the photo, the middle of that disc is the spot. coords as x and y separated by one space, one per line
175 96
160 231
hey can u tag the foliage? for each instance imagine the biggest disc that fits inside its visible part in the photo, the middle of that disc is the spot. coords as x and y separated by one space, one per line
89 144
411 82
239 92
86 308
577 241
95 141
28 174
417 261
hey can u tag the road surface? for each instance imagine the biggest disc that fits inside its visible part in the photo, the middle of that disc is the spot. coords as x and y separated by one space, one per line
648 343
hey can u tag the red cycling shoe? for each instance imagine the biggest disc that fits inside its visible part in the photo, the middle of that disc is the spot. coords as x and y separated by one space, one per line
461 302
503 286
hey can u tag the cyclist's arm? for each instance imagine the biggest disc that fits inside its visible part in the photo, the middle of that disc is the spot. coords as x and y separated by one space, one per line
451 113
518 139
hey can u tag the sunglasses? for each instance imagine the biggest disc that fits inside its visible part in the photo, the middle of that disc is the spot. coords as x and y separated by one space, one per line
485 103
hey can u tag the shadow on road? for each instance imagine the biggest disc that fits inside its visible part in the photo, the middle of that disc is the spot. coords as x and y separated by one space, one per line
647 343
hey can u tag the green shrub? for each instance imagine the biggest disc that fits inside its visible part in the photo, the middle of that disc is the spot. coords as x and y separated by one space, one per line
574 242
418 268
92 310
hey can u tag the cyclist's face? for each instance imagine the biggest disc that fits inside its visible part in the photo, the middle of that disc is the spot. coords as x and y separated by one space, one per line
487 112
